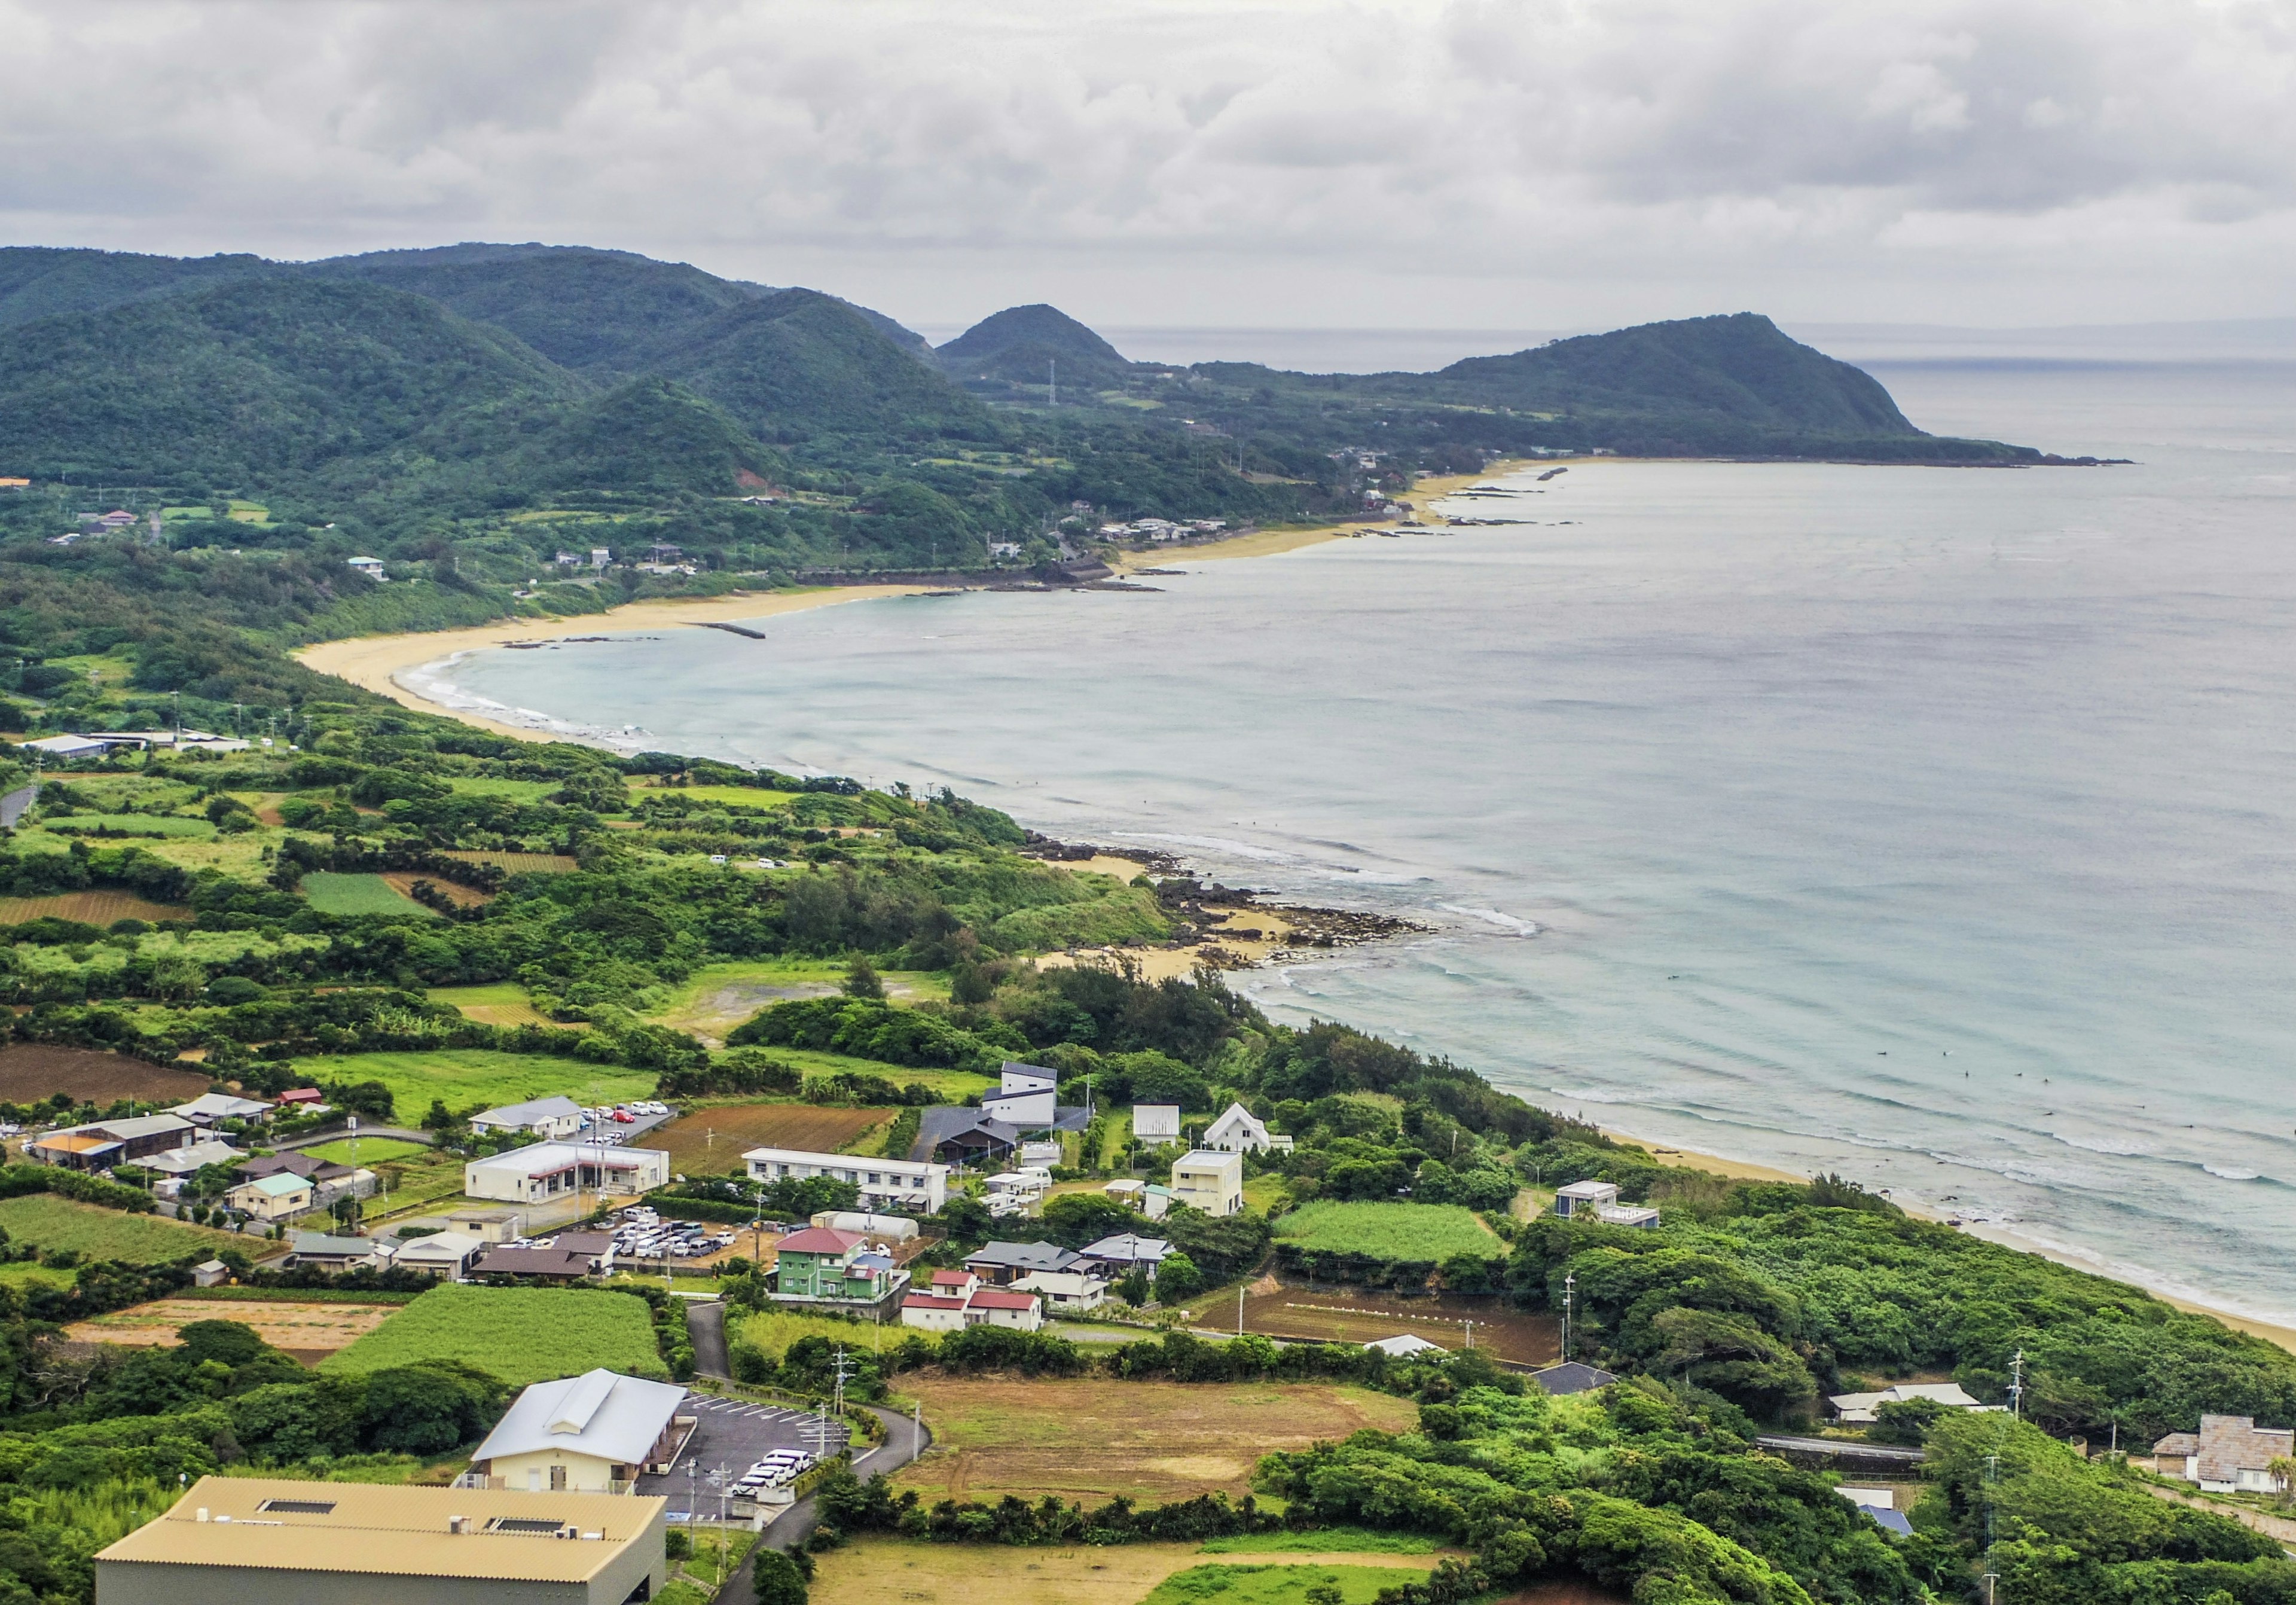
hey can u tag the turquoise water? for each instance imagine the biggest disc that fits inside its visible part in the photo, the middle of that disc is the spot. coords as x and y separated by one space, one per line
1929 826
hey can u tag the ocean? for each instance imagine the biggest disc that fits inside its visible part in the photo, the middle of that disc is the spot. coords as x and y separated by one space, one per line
1929 826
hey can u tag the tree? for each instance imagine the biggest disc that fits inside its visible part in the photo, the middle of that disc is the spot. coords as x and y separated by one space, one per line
779 1581
1177 1280
861 978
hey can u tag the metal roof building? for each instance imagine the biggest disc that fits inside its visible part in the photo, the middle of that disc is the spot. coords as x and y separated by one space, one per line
230 1540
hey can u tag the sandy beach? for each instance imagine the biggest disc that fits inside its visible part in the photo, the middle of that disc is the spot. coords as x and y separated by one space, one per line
1273 543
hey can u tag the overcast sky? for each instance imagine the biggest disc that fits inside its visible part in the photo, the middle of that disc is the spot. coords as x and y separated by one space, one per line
1539 164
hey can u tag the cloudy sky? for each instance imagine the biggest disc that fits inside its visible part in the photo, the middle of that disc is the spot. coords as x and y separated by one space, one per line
1535 164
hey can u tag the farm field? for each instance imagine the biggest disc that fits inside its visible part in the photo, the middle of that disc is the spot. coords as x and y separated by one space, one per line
748 796
50 1221
1345 1315
309 1332
717 997
89 908
1388 1231
31 1071
1152 1442
129 825
366 1150
487 785
29 1273
772 1332
520 1334
523 864
500 1004
873 1570
711 1139
471 1079
344 896
402 881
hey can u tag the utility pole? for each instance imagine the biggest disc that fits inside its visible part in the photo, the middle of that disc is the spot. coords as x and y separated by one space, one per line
1053 382
1570 1285
2017 1386
1239 1311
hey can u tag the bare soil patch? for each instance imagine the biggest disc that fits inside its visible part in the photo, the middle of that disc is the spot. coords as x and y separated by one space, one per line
1340 1315
1154 1442
31 1071
89 908
402 881
309 1332
711 1139
876 1571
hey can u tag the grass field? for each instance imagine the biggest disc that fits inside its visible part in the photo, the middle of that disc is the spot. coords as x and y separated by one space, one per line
96 1233
482 785
1346 1314
523 864
345 896
131 824
773 1330
29 1273
1325 1541
876 1570
366 1150
89 908
1285 1582
711 1139
747 797
309 1332
502 1003
520 1334
471 1079
31 1071
1388 1231
1151 1441
717 997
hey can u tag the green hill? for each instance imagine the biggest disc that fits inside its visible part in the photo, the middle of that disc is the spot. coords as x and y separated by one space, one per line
1018 345
649 434
36 281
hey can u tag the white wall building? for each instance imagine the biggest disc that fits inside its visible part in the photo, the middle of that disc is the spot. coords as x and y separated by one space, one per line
549 1170
546 1120
591 1434
1240 1131
1206 1179
916 1184
1154 1125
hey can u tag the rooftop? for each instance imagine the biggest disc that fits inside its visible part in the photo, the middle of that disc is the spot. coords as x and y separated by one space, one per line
547 1158
383 1530
819 1240
529 1112
1026 1257
600 1412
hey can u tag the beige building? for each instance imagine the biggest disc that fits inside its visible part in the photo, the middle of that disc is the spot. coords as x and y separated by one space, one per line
591 1434
1209 1180
241 1541
273 1198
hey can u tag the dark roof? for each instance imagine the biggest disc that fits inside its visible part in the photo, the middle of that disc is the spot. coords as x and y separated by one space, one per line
1573 1376
1026 1257
291 1164
593 1243
1891 1520
531 1262
967 1128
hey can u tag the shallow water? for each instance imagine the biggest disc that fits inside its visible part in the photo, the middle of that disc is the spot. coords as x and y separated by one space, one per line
1930 826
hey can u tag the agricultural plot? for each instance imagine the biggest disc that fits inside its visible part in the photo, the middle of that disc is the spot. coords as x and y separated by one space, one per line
877 1569
523 864
475 1079
89 908
31 1071
49 1222
367 1150
711 1139
502 1003
348 895
130 825
1152 1442
309 1332
1345 1315
717 997
402 881
744 796
520 1335
1388 1231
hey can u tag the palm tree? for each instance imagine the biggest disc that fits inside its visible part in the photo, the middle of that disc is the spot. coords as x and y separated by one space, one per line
2284 1476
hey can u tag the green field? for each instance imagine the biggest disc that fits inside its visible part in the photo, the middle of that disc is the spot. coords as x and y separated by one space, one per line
1279 1585
50 1221
344 896
1388 1231
131 824
520 1334
748 796
29 1273
366 1150
772 1332
483 785
1323 1541
476 1078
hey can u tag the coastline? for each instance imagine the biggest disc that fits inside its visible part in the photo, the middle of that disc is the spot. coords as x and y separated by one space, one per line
1275 543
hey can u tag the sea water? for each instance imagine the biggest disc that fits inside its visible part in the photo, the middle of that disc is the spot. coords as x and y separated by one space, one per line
1929 826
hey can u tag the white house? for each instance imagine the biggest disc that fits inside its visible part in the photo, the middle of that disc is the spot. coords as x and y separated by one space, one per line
1639 1217
1065 1292
549 1170
1154 1125
543 1118
446 1255
1584 1199
2229 1455
1027 1097
1863 1409
1209 1180
917 1184
591 1434
1240 1131
960 1299
208 1108
372 566
1126 1251
1408 1346
271 1197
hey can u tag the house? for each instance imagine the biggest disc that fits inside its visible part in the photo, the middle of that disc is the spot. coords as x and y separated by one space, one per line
1113 1256
302 1100
101 1144
884 1183
66 746
933 1312
1152 1198
210 1273
1240 1131
1000 1264
329 1253
1638 1217
277 1197
1408 1346
261 1538
1863 1409
372 566
956 1136
818 1266
208 1108
1583 1198
549 1170
448 1255
1572 1376
591 1434
1027 1096
959 1300
329 1181
487 1226
1154 1125
177 1164
2229 1455
1065 1292
535 1265
542 1118
1212 1181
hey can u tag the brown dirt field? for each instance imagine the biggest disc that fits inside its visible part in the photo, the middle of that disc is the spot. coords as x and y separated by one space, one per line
402 881
1154 1442
1352 1315
309 1332
31 1071
521 864
90 908
711 1139
875 1571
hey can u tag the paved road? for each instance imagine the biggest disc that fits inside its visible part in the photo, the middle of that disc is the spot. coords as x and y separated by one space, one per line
705 1324
312 1139
1840 1448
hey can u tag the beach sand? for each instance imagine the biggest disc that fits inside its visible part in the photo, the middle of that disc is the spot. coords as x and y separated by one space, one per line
375 661
1272 543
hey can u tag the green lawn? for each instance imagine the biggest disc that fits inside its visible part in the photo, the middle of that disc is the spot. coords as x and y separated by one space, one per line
743 795
50 1221
1324 1540
131 824
29 1273
366 1150
520 1334
1278 1585
1388 1231
773 1330
345 896
476 1078
482 785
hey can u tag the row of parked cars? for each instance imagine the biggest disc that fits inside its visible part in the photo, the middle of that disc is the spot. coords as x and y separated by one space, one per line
640 1232
778 1469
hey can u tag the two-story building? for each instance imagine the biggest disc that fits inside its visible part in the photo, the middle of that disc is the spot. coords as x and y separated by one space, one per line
1209 1180
920 1185
820 1265
592 1434
101 1144
959 1299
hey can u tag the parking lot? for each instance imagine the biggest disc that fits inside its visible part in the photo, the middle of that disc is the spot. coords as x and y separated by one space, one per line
732 1436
